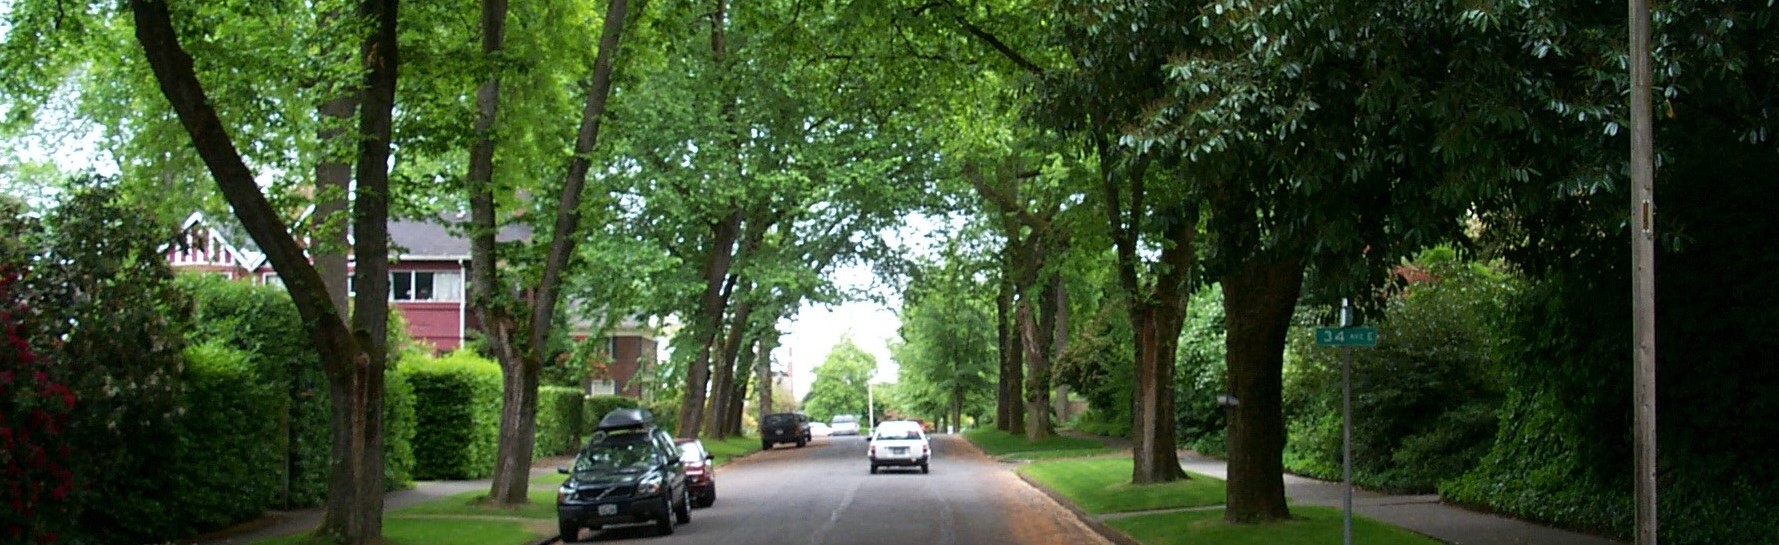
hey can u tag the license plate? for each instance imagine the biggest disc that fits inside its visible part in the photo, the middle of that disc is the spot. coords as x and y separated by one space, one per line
898 450
608 509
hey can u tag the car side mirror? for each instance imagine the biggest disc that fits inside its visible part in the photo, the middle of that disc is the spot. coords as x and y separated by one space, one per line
867 438
562 470
709 457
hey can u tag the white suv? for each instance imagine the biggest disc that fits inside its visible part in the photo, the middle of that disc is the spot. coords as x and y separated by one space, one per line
899 443
844 424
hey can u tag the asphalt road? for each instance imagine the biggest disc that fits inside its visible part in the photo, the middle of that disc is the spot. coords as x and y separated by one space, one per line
824 494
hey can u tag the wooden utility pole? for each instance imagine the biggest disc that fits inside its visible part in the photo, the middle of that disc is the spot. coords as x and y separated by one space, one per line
1643 267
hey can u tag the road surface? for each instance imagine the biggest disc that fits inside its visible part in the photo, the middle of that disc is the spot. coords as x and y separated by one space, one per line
824 494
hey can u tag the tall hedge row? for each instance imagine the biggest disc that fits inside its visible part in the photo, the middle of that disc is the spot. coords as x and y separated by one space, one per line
223 444
457 404
560 422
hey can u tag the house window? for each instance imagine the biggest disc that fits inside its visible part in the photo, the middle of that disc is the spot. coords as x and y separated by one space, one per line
425 286
271 279
602 388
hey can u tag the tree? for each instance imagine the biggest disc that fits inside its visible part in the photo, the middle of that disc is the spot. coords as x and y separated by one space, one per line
354 358
945 359
840 382
521 346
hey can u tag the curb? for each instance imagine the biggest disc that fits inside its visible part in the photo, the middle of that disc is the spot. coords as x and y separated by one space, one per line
1098 526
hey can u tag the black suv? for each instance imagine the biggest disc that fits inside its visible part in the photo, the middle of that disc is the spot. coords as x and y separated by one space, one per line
629 472
784 428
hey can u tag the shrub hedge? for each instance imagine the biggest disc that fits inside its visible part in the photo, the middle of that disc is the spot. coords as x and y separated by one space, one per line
457 403
222 443
560 422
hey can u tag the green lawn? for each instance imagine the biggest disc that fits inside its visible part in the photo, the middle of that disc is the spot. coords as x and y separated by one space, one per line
397 531
542 506
1102 485
731 448
1312 525
1037 455
996 442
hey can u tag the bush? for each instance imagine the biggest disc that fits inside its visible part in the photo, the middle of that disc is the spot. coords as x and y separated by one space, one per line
1424 400
1202 370
457 412
560 423
223 445
400 429
1101 422
594 408
263 322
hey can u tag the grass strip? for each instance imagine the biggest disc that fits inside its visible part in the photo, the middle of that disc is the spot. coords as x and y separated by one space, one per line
732 447
541 506
996 442
1039 455
1102 485
436 532
1309 525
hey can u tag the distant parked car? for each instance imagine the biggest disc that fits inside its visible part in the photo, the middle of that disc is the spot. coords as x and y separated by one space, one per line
899 443
845 424
784 428
701 472
820 429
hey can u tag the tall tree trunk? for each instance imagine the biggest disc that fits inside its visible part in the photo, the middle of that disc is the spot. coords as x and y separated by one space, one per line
333 179
738 394
1004 352
1157 334
1037 387
363 438
723 383
763 366
1259 296
518 430
352 360
710 308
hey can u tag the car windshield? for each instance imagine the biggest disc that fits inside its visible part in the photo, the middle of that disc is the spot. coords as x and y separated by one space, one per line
605 456
899 433
780 419
845 419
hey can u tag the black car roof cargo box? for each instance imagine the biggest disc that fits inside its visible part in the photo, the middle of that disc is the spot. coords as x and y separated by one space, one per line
625 419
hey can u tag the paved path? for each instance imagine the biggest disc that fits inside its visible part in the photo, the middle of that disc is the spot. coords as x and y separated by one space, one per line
1425 514
284 523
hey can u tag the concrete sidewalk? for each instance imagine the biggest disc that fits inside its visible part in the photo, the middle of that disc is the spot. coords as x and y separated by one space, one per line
284 523
1424 514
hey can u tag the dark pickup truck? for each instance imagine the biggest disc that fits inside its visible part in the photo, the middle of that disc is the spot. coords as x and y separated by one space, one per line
784 428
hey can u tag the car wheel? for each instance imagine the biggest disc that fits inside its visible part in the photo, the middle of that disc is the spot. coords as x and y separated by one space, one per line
683 513
765 445
801 442
923 468
873 469
664 525
570 532
709 498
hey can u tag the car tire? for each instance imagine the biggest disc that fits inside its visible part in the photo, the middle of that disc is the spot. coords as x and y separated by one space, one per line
873 469
664 525
707 499
570 532
765 445
801 442
683 513
923 468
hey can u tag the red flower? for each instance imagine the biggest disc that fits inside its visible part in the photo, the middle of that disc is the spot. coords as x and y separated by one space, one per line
5 377
47 537
40 376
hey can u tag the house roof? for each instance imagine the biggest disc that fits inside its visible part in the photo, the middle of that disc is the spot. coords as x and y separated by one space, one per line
442 237
438 238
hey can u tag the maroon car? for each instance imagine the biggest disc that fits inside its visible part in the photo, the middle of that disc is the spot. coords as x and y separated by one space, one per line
701 471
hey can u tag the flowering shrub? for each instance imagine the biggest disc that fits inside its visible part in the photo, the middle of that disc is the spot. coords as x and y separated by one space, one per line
34 411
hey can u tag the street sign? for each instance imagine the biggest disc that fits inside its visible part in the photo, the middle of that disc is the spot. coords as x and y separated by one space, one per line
1346 336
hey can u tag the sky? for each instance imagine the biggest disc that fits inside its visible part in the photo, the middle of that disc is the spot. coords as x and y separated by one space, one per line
816 329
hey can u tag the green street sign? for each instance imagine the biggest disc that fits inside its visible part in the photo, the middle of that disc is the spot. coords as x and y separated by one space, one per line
1346 336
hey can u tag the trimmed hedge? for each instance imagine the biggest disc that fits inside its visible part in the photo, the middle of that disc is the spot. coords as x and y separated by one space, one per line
457 403
560 422
222 445
594 408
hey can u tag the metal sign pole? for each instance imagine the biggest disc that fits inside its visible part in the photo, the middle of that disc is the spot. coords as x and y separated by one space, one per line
1346 426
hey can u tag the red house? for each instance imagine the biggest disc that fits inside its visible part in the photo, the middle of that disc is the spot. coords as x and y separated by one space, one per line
426 284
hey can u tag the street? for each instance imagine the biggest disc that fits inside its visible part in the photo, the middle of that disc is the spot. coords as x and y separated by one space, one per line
824 494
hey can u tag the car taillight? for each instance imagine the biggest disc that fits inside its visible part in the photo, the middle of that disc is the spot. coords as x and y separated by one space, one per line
924 450
873 451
